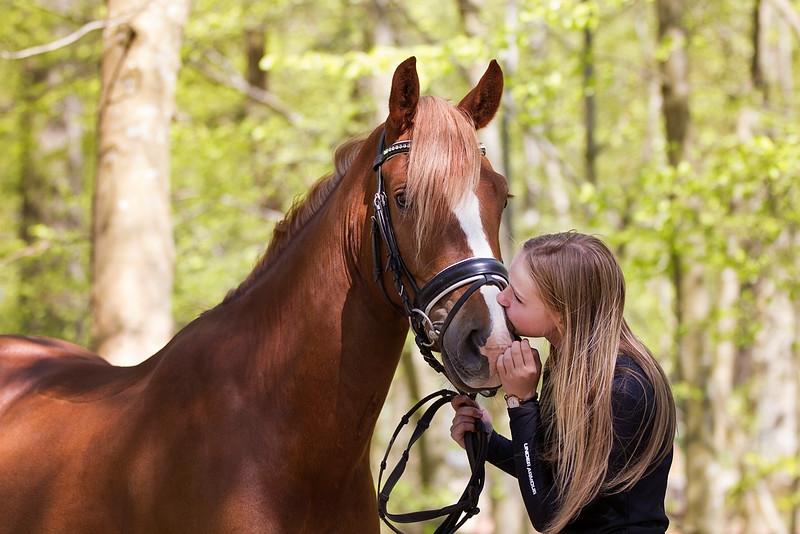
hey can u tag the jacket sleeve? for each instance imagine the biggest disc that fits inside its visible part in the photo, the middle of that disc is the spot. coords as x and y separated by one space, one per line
520 458
501 453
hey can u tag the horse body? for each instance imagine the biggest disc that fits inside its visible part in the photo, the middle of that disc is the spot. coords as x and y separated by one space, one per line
256 417
235 371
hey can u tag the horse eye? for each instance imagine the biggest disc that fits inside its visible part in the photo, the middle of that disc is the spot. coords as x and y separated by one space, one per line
400 200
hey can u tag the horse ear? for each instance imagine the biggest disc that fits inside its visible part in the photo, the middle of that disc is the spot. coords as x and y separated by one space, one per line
482 102
403 98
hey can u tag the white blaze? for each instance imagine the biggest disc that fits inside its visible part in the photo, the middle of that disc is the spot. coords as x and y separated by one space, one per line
468 213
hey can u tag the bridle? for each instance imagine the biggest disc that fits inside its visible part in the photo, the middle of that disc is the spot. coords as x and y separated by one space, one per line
428 335
472 272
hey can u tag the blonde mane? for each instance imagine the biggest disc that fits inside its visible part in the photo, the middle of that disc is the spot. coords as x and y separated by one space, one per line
301 211
443 165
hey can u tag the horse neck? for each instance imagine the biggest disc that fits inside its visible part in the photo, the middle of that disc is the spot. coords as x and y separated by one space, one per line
321 343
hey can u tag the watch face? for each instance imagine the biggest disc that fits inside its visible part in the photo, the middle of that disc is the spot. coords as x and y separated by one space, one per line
512 401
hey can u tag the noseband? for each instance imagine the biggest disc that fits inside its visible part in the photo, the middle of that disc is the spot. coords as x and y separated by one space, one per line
472 272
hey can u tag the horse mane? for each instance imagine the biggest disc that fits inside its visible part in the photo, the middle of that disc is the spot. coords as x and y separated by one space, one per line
301 211
443 165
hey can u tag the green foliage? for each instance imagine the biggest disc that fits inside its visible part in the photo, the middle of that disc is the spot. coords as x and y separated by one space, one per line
237 165
44 279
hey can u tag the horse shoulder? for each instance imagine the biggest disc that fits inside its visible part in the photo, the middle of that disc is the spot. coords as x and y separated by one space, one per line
19 348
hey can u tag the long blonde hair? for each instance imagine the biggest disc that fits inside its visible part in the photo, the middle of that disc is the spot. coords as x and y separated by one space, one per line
580 280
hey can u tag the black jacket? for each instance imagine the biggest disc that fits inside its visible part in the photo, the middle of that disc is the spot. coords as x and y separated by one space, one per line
639 510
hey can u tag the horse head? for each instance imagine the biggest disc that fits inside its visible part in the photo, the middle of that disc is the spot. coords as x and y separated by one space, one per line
444 204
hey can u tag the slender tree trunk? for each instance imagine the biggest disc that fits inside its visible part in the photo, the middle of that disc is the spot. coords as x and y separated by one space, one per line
411 379
794 510
756 72
509 108
774 370
382 35
771 62
133 250
674 77
651 78
775 437
255 48
705 495
589 105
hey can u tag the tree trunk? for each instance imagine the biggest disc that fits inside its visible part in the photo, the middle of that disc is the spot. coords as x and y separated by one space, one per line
776 430
771 62
589 105
255 48
649 75
674 77
133 250
411 380
705 496
794 510
382 35
773 366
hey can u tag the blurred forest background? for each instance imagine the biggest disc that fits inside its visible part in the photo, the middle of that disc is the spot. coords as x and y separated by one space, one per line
667 127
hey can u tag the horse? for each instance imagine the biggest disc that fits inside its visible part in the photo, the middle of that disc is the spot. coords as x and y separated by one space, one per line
258 415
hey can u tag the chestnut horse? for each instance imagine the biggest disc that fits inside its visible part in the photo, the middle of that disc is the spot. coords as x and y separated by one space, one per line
258 415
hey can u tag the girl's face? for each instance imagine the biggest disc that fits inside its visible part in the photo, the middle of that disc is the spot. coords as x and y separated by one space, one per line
523 305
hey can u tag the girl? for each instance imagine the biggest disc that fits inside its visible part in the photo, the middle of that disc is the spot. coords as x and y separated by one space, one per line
594 454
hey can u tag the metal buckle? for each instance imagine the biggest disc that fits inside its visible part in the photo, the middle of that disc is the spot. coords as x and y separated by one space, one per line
430 329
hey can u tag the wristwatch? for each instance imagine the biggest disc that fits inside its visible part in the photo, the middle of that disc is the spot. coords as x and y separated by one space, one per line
512 401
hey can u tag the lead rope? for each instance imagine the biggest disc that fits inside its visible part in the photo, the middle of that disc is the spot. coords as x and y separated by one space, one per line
476 444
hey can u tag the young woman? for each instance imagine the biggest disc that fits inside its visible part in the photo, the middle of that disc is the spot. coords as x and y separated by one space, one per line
594 453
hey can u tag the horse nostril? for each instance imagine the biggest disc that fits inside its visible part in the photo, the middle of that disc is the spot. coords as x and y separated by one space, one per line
478 339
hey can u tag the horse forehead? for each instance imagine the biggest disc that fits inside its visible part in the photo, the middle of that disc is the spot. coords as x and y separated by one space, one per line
468 213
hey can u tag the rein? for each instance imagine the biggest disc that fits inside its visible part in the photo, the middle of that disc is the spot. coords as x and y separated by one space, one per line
476 445
472 272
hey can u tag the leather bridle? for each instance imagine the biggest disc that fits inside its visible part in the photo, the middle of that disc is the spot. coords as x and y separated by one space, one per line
472 272
428 335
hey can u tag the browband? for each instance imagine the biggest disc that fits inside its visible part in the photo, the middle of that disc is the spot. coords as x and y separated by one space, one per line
401 147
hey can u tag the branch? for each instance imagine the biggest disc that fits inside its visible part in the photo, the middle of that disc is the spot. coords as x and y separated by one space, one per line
31 250
72 37
227 75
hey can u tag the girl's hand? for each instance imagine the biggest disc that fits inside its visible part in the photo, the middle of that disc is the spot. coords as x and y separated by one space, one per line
519 368
467 412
